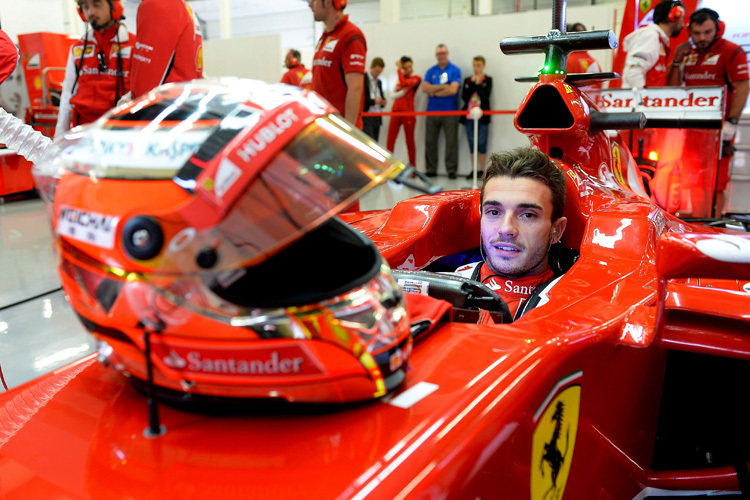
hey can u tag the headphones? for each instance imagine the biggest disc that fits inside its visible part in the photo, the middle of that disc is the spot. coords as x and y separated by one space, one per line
339 4
711 15
676 12
115 7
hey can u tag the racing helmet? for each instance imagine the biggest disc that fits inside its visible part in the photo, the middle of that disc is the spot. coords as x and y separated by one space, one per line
198 223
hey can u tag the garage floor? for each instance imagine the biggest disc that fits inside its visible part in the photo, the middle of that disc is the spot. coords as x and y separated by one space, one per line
39 331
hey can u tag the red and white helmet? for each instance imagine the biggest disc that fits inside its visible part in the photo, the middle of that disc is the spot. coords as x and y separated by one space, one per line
204 213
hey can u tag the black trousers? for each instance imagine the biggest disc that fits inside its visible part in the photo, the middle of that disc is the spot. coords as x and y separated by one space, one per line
371 126
449 124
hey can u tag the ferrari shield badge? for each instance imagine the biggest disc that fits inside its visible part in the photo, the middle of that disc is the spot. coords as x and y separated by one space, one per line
645 5
617 163
554 439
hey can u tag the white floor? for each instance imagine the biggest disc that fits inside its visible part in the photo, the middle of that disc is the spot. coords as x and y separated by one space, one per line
39 331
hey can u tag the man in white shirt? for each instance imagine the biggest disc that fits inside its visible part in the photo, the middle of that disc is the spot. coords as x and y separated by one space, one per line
646 63
374 98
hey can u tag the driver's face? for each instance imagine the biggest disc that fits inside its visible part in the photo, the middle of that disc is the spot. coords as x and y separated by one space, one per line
703 34
517 227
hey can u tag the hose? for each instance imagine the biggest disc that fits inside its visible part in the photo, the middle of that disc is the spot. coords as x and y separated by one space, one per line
24 140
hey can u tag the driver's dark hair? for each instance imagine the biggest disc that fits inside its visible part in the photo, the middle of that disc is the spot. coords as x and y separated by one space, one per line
406 59
700 16
661 11
532 164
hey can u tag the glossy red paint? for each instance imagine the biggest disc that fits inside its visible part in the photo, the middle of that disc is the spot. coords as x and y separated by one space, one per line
43 56
418 231
15 173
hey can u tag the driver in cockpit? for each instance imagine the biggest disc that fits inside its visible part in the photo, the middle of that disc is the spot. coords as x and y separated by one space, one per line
522 202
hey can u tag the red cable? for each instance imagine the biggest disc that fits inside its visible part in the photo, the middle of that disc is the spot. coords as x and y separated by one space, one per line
3 379
439 113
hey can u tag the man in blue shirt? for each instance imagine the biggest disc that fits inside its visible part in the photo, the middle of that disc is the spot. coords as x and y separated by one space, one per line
441 84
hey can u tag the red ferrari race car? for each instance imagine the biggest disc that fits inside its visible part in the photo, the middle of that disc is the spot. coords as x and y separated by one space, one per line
255 345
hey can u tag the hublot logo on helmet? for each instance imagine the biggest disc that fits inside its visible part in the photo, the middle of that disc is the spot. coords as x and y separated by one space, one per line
266 135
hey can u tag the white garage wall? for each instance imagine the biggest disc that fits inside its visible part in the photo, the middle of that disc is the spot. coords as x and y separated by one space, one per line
257 57
29 16
56 16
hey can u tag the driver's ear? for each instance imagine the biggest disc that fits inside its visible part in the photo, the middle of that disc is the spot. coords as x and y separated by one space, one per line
558 228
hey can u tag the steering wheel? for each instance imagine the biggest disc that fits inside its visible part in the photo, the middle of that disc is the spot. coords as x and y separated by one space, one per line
462 293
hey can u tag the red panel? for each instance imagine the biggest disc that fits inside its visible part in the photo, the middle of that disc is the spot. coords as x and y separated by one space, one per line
15 174
39 51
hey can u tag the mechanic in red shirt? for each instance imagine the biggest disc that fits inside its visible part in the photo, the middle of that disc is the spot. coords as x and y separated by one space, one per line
168 46
403 100
648 47
8 56
296 73
714 61
522 202
339 61
97 74
581 61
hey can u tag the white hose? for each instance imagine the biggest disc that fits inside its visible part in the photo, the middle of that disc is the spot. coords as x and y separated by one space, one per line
24 140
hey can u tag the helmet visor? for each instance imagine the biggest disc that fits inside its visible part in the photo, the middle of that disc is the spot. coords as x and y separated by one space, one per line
319 173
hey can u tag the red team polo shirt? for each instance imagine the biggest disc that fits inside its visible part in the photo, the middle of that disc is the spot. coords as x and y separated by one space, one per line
299 76
340 51
582 62
88 93
168 46
8 56
723 63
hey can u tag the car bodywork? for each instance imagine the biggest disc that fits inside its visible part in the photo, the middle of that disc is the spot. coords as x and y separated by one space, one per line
627 383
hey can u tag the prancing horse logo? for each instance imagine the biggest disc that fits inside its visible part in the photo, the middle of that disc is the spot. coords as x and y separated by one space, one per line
554 440
552 453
